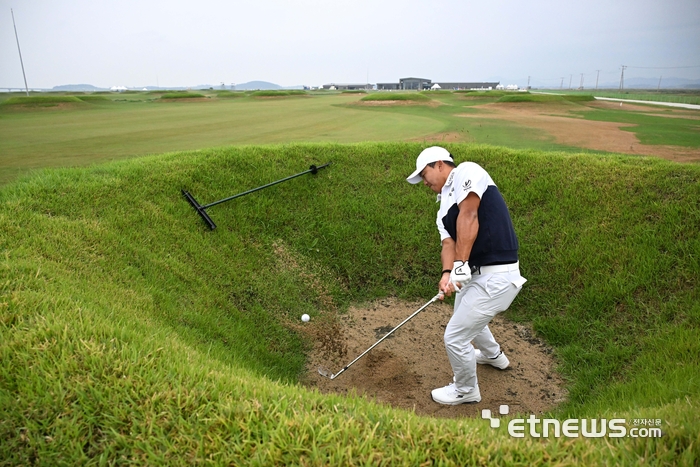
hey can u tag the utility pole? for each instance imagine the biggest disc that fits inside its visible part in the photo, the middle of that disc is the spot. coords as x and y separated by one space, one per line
596 79
658 88
570 78
581 86
561 86
20 52
622 78
528 82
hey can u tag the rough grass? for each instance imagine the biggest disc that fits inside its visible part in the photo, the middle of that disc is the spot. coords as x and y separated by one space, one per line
545 98
92 98
182 95
274 93
470 93
42 100
131 334
230 94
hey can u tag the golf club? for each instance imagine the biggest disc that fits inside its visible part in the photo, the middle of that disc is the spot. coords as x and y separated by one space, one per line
202 210
328 374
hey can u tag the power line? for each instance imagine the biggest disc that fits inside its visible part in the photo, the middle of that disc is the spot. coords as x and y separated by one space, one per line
663 67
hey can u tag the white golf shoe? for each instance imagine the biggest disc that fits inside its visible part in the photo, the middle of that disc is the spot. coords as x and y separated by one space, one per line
501 361
449 395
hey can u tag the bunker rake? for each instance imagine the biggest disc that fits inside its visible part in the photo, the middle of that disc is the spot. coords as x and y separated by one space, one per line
202 209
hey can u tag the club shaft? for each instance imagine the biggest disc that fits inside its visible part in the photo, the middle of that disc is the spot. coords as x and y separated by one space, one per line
386 335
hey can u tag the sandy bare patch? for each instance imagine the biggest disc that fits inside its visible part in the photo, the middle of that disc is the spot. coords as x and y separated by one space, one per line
572 130
446 137
403 369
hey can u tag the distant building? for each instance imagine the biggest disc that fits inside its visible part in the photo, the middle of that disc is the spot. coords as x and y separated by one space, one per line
475 86
420 84
417 84
388 86
347 87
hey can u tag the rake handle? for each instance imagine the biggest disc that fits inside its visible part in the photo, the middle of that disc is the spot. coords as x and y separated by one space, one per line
313 169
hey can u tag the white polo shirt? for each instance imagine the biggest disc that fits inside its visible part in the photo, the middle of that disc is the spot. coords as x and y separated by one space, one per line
466 178
496 242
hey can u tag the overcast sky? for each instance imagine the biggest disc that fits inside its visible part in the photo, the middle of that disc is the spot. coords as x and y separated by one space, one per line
311 42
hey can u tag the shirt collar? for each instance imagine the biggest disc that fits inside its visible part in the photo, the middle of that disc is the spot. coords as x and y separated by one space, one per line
448 183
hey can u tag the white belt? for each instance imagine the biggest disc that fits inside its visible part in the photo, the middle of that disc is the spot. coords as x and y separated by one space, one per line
513 267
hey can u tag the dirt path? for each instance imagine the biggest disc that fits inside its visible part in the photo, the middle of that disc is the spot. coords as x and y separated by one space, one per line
403 369
572 130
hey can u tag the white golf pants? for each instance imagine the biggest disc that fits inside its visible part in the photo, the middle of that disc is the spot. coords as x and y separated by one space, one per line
476 305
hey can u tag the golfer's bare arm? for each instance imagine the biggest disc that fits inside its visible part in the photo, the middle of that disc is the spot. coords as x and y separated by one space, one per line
467 229
467 226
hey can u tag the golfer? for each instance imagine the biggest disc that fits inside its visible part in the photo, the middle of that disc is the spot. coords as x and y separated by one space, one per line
479 262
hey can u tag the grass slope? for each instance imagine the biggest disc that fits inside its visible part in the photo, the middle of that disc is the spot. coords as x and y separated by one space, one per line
131 334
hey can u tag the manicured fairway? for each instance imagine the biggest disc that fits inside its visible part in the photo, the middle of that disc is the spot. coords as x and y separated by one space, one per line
89 133
63 130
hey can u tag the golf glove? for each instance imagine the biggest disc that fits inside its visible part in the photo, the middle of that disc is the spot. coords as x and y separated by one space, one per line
461 274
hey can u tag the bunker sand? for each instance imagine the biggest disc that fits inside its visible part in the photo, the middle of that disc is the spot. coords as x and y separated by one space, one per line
404 368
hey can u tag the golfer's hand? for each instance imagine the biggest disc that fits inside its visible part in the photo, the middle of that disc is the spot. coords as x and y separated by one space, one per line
445 286
461 274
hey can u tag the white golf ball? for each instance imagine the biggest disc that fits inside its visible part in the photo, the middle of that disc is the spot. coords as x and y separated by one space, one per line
305 318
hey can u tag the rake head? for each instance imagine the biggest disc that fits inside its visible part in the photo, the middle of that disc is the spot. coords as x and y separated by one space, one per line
200 209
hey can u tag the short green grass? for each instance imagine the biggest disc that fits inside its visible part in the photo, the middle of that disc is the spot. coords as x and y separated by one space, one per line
87 134
129 333
75 133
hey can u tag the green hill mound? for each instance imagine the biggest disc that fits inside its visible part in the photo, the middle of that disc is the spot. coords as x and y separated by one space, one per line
390 96
41 101
130 333
545 98
182 95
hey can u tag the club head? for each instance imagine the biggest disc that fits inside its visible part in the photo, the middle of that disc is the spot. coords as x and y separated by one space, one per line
326 373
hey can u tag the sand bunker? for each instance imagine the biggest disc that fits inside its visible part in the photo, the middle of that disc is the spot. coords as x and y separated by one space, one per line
402 370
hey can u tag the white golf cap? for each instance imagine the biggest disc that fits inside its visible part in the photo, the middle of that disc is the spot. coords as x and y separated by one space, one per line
428 156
